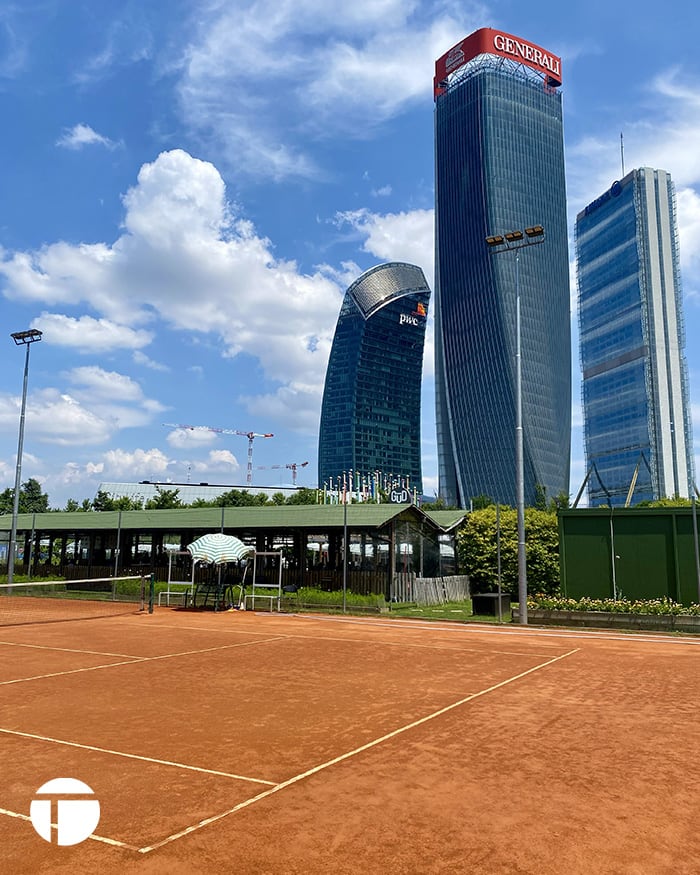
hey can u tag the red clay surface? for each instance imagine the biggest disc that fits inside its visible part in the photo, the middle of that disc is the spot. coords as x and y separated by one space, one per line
253 743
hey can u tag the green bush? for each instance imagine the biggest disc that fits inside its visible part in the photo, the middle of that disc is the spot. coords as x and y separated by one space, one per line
477 550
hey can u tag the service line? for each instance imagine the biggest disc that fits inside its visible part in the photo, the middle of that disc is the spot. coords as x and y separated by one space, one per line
134 756
95 838
339 759
138 660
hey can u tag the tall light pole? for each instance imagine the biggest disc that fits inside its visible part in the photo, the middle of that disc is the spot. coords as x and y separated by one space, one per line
515 241
21 338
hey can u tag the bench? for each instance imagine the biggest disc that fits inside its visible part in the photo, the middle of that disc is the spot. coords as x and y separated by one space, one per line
183 592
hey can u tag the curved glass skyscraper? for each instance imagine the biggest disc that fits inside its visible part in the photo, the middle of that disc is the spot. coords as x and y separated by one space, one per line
499 158
370 416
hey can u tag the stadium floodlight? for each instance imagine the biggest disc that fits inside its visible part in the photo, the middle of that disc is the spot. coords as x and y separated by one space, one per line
516 240
21 338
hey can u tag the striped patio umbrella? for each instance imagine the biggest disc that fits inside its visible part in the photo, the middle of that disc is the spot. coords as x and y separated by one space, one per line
219 548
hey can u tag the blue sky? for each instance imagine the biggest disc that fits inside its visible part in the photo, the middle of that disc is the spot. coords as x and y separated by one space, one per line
189 187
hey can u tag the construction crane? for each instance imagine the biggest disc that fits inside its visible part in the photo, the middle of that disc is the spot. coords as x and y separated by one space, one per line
251 435
291 465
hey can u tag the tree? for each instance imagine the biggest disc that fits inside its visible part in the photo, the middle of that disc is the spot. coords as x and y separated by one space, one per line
303 495
31 498
240 498
438 503
479 502
677 501
103 501
164 499
477 550
6 497
126 503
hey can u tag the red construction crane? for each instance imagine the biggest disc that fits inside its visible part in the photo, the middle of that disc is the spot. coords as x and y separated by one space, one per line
251 435
291 465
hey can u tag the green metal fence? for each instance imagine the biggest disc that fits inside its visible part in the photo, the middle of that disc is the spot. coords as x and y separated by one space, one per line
635 553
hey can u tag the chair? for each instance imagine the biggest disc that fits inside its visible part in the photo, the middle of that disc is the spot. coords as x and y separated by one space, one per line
178 589
262 589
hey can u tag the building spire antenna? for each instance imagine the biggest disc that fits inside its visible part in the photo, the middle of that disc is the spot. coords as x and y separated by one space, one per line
622 152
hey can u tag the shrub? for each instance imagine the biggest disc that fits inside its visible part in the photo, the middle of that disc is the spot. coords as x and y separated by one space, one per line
663 606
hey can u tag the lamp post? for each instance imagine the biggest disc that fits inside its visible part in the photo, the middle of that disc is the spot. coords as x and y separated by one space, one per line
21 338
515 241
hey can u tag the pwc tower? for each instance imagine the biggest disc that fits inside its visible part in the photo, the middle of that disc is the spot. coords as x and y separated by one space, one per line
499 167
370 415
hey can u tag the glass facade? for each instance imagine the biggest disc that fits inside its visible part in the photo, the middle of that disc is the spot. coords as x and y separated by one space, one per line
635 385
370 416
500 166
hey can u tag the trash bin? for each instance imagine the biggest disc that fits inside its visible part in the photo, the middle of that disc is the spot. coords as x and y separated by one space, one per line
486 604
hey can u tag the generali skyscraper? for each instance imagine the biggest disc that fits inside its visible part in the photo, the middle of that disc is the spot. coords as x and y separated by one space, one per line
499 157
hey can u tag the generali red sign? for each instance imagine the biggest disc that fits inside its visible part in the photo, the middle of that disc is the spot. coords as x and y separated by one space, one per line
494 42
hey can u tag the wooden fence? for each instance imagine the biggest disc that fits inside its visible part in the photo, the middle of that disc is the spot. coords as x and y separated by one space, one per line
429 590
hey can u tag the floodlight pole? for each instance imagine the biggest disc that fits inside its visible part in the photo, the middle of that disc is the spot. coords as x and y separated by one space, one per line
20 338
345 551
517 240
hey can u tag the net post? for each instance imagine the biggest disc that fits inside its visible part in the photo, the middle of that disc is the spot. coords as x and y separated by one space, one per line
151 590
143 592
114 590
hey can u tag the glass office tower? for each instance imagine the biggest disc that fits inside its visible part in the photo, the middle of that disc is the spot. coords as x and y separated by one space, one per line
370 416
637 425
499 158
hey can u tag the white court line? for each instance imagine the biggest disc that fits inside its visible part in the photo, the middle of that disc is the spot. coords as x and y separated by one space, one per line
134 756
137 660
339 759
115 842
480 650
67 649
525 631
369 623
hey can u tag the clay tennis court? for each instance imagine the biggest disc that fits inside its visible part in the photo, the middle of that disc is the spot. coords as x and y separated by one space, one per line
263 743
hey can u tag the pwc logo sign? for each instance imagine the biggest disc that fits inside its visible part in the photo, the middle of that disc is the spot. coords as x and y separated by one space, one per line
413 318
65 811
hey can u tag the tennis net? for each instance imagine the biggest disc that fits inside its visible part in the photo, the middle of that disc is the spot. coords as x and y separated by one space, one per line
52 601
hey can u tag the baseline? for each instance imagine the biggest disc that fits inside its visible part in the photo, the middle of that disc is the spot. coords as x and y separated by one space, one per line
349 754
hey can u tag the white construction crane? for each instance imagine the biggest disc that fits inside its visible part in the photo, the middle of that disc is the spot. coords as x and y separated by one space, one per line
291 465
251 435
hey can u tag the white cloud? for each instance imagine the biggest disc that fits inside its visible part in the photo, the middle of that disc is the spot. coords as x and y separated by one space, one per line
88 335
82 135
218 460
56 418
319 64
407 236
98 404
184 258
140 358
190 438
137 464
